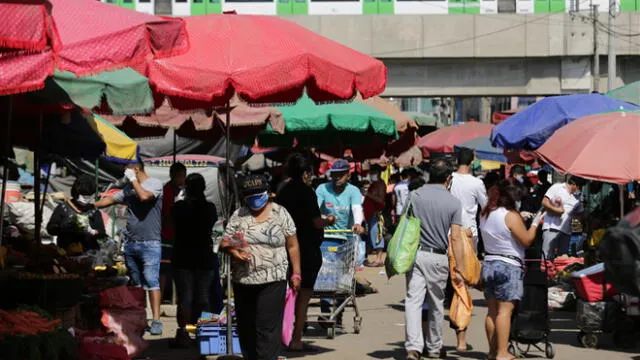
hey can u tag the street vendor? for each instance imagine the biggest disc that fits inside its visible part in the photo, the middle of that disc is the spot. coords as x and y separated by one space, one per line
76 222
142 250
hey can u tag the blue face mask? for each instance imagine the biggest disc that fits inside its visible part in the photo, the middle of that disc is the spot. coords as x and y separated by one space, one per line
257 201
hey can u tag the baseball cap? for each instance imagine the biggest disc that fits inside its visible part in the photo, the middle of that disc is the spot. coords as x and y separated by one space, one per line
340 165
253 184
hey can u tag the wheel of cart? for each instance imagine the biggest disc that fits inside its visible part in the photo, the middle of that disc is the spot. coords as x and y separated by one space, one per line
336 279
588 340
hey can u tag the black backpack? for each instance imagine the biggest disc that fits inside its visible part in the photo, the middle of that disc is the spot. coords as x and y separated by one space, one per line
620 251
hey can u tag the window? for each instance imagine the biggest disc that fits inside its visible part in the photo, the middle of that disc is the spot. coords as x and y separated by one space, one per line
506 6
144 1
250 1
127 1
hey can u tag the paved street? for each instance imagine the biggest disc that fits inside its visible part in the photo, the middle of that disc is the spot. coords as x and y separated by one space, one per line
383 332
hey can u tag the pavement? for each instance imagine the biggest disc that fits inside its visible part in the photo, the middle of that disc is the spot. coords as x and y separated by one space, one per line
382 335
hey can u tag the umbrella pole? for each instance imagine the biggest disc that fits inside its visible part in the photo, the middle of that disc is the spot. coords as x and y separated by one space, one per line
175 147
97 178
227 214
5 168
36 183
46 188
621 191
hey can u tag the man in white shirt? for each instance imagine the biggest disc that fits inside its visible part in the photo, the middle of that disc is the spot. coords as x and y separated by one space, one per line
471 193
563 204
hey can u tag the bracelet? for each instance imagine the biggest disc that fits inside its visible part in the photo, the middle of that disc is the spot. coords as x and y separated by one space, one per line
296 276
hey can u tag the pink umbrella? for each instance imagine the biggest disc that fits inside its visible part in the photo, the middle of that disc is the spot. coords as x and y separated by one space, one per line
603 147
443 140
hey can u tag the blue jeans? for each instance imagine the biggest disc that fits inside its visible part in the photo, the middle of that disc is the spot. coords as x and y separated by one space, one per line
143 263
374 232
502 281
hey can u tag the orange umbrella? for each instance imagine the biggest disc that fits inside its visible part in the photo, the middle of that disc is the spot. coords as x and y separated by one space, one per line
603 147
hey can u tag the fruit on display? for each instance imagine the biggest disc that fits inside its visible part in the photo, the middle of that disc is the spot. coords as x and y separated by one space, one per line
25 322
34 276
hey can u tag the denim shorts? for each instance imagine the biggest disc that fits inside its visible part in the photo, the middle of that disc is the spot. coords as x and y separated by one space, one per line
142 259
502 281
374 231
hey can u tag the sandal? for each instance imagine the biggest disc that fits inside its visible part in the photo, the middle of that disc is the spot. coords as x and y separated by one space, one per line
413 355
468 348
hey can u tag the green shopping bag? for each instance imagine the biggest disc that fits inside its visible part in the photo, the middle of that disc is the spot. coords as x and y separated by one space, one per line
403 247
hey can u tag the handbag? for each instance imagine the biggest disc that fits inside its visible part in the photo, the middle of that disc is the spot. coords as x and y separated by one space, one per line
403 247
289 316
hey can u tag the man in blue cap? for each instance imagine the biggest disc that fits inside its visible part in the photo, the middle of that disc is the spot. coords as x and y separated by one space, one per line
344 201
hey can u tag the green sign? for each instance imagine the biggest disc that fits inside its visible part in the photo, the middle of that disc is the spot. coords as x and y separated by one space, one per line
203 7
292 7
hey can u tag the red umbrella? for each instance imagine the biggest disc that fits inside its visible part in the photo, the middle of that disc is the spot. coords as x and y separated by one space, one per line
444 139
263 59
603 147
81 36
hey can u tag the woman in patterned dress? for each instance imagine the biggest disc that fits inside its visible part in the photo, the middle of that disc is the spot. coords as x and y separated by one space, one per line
261 238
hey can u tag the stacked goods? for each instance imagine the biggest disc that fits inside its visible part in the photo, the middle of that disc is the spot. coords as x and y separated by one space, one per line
30 333
48 291
123 315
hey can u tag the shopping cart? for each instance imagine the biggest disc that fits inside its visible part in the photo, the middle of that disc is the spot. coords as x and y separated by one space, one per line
336 278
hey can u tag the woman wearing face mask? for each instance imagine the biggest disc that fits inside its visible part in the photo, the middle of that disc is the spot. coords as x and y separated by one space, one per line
261 237
77 221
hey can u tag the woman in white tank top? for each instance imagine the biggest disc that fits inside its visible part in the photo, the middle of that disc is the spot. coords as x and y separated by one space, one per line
505 238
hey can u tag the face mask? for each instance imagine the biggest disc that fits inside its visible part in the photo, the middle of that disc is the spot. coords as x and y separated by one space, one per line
518 203
86 200
257 201
520 180
375 177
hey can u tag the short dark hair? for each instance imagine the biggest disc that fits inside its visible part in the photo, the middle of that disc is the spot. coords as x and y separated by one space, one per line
465 156
195 186
577 181
84 185
543 174
405 173
440 171
297 164
177 168
139 164
517 170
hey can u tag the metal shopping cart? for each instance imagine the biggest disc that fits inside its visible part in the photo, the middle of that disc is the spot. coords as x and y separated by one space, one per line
336 278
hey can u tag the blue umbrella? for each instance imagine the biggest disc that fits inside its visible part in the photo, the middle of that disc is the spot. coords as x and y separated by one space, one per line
531 127
483 149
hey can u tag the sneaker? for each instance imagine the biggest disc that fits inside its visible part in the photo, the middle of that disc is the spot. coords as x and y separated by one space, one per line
442 354
156 328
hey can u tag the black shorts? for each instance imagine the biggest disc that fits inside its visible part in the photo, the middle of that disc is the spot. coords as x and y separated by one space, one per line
310 263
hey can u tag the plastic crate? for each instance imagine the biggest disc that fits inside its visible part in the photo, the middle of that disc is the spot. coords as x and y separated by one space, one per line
589 284
212 340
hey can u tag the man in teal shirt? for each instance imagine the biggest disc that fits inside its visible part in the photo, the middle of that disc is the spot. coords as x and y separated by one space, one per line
344 201
341 199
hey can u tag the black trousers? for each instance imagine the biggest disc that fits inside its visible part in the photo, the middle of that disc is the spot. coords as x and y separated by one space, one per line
193 288
259 310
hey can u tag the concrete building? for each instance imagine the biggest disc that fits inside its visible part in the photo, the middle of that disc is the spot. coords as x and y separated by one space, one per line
494 49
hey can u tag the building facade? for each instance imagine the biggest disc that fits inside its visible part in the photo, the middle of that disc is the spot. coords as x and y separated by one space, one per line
368 7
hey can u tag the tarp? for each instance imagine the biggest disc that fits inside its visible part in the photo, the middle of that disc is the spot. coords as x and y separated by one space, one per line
531 127
120 148
80 36
629 93
483 149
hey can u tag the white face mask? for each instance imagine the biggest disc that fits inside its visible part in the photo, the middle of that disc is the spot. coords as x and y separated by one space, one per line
86 200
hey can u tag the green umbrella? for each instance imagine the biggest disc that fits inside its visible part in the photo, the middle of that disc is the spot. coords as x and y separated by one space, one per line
629 93
346 124
423 119
125 91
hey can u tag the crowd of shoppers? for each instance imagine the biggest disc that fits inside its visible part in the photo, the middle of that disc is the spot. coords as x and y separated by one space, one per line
274 241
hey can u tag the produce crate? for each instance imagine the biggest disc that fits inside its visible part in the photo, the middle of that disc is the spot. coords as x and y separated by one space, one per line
212 339
589 284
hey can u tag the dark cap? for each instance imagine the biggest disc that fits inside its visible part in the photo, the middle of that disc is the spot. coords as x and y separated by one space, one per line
253 184
340 165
